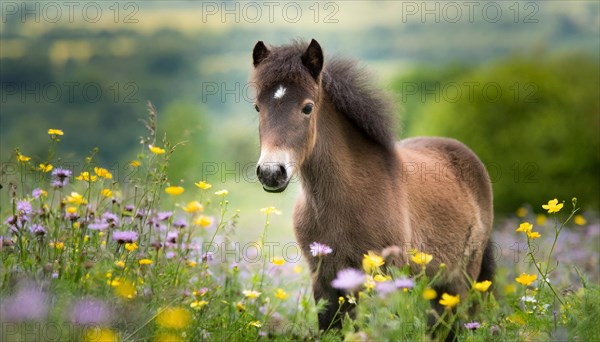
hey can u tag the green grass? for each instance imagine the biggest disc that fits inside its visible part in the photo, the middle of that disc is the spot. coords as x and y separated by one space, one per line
75 282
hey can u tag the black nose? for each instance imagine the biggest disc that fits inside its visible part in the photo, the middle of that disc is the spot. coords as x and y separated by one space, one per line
272 176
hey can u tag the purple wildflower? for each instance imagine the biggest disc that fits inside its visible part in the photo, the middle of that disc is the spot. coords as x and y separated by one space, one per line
61 178
208 256
164 215
29 303
38 230
111 219
385 287
172 237
36 193
140 213
404 283
128 208
180 224
98 225
24 208
170 255
348 279
319 249
472 325
90 312
125 236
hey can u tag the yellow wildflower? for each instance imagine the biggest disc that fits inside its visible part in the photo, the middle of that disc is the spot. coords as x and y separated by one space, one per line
222 192
174 190
193 206
521 212
526 279
58 245
449 301
102 172
203 221
96 334
76 198
371 262
240 306
191 263
45 168
203 185
510 288
533 235
22 158
120 264
135 163
579 220
482 286
124 288
381 278
255 324
421 258
85 176
176 318
156 150
525 227
297 269
167 337
270 210
281 294
553 206
540 219
145 262
369 283
106 192
53 131
429 294
71 210
252 294
341 300
131 246
278 261
198 304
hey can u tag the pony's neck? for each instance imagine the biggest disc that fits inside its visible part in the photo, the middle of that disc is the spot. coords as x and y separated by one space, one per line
344 163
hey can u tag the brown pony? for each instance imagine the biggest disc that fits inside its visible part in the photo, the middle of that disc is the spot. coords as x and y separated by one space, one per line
360 190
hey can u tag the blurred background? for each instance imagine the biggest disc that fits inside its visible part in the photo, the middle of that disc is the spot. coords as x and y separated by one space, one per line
516 81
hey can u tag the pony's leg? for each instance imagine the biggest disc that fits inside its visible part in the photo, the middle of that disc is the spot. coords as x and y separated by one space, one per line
332 314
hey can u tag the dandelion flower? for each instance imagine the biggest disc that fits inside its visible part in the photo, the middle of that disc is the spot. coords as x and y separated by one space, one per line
53 131
174 190
553 206
526 279
251 294
482 286
193 207
281 294
319 249
222 192
421 258
579 220
203 185
525 227
278 261
533 235
371 262
449 301
175 318
429 294
156 150
348 279
270 210
45 168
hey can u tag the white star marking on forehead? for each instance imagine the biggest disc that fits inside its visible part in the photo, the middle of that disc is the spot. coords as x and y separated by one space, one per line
279 93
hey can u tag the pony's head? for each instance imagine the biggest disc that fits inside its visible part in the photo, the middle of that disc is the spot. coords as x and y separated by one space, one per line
288 86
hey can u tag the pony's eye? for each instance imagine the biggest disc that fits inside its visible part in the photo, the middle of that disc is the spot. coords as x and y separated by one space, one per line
307 109
256 107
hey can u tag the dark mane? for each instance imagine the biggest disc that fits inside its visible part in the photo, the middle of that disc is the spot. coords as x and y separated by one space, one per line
347 86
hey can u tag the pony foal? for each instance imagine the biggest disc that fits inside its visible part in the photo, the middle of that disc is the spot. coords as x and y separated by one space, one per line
360 189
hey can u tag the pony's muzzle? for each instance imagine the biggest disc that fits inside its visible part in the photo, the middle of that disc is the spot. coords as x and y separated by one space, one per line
274 177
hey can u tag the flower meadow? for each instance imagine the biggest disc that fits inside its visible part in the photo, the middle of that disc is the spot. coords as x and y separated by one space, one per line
86 257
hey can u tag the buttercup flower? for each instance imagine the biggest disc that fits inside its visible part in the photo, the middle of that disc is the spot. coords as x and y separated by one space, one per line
102 172
222 192
482 286
193 207
45 168
421 258
22 158
203 221
371 262
449 301
53 131
135 163
526 279
525 227
579 220
251 294
174 190
156 150
85 176
533 235
270 210
76 198
145 262
176 318
281 294
429 294
203 185
198 304
553 206
521 212
106 192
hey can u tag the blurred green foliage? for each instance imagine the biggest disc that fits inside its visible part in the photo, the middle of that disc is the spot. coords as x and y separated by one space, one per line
533 121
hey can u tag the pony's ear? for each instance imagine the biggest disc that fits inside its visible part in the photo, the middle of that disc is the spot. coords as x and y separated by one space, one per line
260 53
313 59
